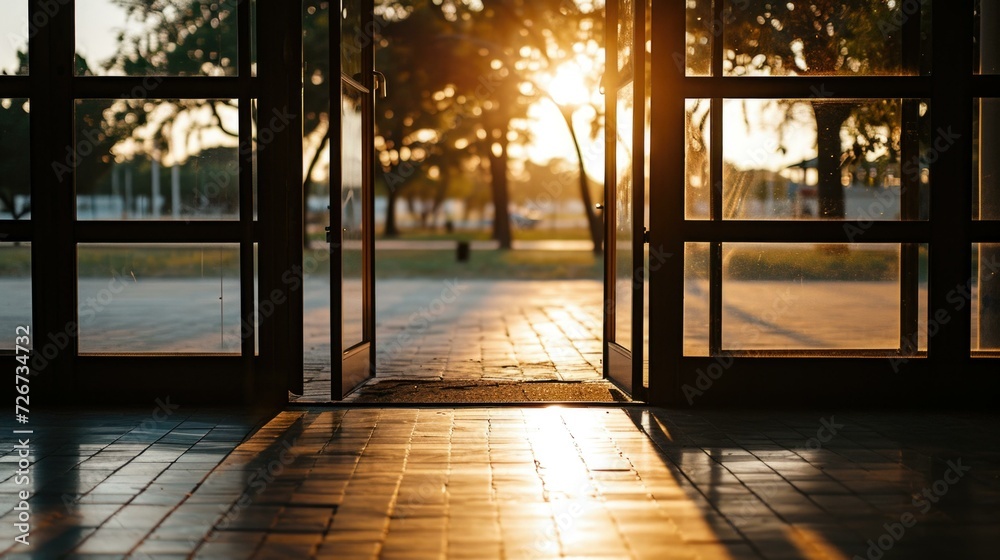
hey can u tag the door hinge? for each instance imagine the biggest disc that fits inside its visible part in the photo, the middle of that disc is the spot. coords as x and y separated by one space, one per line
645 236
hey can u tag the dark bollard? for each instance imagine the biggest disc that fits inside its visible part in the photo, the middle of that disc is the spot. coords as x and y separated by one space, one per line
463 251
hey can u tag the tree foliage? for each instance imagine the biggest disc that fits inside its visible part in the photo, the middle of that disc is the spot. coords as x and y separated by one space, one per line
834 38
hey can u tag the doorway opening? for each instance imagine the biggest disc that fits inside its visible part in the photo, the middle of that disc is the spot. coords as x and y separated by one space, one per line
490 166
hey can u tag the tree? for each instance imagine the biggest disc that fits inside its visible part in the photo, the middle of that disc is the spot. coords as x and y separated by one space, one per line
843 37
14 175
486 55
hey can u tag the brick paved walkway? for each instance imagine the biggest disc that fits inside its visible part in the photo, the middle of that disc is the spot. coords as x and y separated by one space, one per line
473 330
489 483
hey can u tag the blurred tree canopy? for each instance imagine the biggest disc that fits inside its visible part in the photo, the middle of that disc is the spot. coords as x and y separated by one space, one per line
463 75
835 38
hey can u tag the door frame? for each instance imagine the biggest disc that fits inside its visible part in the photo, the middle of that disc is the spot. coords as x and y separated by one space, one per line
798 379
258 376
352 366
624 366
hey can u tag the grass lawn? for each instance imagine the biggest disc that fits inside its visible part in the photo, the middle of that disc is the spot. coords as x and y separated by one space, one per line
807 263
506 265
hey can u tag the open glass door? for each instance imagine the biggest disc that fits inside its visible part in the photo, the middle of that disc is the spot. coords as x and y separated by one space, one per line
352 240
624 267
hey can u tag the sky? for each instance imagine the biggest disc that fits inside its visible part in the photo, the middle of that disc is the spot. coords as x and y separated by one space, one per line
13 33
96 24
97 21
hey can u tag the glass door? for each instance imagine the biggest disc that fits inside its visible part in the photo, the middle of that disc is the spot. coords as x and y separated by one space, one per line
352 238
624 267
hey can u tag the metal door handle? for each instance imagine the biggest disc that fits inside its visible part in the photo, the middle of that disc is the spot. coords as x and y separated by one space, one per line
381 84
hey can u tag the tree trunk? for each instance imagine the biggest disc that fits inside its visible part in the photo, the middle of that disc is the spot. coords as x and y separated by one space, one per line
595 224
391 230
501 196
830 116
307 184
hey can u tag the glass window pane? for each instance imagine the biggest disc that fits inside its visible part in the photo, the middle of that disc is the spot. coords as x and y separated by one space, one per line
701 29
353 38
15 182
168 38
159 298
253 37
315 122
15 291
626 34
696 299
624 231
255 144
352 214
811 297
697 168
776 166
14 37
986 166
142 159
986 296
987 35
846 37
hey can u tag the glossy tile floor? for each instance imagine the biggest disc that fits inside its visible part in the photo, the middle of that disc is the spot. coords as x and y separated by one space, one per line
509 482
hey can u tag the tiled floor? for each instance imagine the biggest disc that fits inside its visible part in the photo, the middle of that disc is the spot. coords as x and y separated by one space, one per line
509 483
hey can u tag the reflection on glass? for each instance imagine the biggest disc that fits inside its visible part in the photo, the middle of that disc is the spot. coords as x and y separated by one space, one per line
626 34
776 166
811 297
315 111
353 38
696 299
351 206
697 146
15 183
142 159
987 35
923 305
624 230
14 37
15 290
253 37
164 38
701 29
159 298
255 147
986 166
846 37
986 296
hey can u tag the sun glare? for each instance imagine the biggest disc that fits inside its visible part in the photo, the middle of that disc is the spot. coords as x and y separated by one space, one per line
568 85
